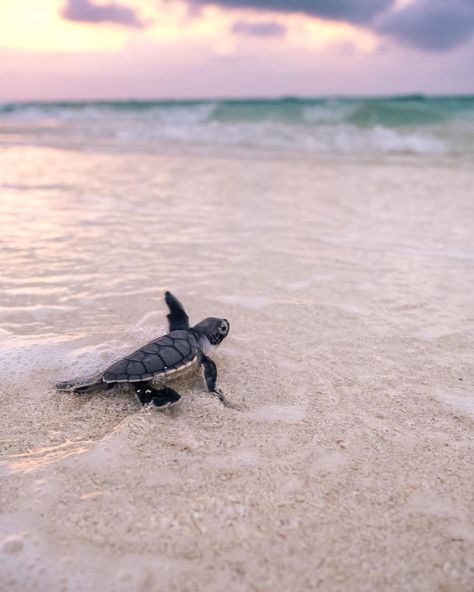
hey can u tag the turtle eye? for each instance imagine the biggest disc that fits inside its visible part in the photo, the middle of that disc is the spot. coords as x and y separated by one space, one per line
223 328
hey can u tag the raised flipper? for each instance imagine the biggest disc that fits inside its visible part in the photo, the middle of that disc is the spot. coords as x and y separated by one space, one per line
178 319
210 378
148 395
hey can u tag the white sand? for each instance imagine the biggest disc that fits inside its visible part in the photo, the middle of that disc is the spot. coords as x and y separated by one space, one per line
348 464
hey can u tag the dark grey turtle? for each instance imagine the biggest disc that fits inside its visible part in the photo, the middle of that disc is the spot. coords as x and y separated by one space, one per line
148 369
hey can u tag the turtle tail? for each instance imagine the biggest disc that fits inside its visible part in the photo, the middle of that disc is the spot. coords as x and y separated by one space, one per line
81 386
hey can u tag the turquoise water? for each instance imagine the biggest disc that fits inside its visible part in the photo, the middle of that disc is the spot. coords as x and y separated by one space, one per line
404 124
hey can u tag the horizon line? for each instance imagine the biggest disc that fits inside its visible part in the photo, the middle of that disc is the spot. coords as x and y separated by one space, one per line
256 98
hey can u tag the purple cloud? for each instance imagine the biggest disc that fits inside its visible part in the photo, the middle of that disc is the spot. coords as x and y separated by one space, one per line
355 11
267 29
84 11
431 24
434 25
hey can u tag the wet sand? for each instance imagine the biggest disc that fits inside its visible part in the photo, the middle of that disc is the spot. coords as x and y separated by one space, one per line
347 462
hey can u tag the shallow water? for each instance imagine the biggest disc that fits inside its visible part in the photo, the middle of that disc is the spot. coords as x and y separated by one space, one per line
348 286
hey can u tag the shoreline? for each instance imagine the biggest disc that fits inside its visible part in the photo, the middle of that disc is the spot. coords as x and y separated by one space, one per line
348 462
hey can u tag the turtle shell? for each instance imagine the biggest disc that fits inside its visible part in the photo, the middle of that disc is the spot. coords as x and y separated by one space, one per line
163 356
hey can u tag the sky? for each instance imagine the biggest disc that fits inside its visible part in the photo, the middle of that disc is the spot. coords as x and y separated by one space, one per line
146 49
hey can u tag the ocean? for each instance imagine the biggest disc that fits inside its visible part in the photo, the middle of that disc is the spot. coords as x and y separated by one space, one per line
336 236
414 124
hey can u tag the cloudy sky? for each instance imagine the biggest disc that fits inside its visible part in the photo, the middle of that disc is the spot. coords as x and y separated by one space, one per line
90 49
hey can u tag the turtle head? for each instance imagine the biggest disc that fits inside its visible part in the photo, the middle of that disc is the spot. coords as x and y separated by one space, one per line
214 329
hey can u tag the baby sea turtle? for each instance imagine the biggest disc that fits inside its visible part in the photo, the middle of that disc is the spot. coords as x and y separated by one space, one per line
150 368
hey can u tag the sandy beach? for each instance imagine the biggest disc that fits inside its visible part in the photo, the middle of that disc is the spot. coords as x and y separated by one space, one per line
347 461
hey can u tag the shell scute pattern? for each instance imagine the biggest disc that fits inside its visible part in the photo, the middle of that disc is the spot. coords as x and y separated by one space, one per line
169 357
183 346
151 348
166 340
149 359
167 354
136 368
138 356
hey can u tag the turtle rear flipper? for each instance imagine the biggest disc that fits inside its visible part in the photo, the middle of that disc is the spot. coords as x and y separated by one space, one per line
81 386
147 395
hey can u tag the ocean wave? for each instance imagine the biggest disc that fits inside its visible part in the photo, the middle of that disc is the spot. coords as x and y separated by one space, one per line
339 138
329 113
416 125
390 111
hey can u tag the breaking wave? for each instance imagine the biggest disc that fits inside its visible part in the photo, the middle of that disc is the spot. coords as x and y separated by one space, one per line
415 124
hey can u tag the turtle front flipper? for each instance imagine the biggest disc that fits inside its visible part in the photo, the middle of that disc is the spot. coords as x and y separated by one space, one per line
210 378
159 398
178 319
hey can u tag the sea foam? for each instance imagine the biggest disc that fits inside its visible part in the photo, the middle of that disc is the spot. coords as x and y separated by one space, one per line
397 125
